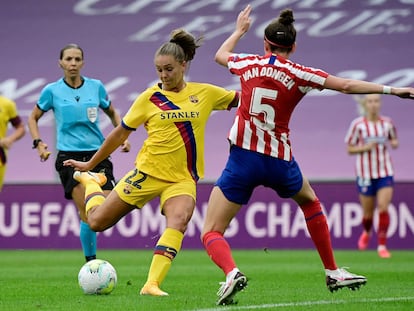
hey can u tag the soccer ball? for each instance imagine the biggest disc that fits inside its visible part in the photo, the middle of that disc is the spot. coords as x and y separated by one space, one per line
97 277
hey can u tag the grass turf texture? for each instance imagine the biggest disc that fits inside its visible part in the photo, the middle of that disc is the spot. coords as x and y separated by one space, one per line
278 280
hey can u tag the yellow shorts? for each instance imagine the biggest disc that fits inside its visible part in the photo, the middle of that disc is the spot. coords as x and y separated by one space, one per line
137 188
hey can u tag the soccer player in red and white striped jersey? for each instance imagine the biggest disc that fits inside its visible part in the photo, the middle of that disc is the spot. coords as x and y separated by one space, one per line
263 124
367 138
260 152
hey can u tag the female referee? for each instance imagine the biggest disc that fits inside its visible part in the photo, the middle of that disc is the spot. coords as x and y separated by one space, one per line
75 101
260 153
170 162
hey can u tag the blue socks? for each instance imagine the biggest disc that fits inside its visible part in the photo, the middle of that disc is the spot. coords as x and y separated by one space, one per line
88 241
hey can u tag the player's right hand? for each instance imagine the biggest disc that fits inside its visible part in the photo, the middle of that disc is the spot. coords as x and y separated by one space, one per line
43 152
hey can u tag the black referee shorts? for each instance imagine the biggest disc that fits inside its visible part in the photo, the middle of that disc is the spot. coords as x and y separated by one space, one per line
66 172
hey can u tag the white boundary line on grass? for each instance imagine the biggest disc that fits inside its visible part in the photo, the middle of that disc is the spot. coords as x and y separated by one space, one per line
308 303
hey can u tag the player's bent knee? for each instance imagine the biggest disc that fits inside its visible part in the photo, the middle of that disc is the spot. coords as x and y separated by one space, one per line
97 224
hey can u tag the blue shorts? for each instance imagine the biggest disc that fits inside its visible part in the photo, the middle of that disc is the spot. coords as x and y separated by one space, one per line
370 187
245 170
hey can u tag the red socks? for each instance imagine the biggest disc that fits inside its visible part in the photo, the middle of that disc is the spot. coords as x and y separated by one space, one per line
384 222
367 224
219 251
319 232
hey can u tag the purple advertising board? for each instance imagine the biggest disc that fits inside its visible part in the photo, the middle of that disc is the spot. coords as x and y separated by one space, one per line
38 217
366 39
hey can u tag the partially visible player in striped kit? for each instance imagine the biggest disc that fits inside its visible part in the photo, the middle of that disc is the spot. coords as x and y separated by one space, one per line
367 138
260 152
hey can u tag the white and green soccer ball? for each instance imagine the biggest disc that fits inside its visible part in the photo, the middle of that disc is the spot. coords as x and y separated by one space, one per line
97 277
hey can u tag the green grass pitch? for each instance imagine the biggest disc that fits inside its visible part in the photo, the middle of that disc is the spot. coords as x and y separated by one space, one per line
278 280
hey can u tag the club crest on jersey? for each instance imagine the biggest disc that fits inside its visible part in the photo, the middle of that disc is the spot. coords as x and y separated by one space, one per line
193 99
92 114
127 189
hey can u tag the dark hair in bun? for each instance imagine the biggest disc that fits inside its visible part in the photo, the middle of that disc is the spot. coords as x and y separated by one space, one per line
280 33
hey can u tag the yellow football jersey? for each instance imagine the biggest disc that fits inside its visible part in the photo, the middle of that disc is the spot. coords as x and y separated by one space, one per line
175 123
8 111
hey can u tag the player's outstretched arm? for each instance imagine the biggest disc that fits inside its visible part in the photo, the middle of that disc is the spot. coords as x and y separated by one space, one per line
116 138
350 86
116 120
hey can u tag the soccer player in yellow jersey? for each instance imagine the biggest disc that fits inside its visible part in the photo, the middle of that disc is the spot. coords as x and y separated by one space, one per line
174 113
8 113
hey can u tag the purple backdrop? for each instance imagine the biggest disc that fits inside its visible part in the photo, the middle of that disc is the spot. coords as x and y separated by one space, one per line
361 39
37 216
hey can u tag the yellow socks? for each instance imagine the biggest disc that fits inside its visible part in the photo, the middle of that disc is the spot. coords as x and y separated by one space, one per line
166 249
94 195
93 192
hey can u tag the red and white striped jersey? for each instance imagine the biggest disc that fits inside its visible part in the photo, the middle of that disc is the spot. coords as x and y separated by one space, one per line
271 87
375 163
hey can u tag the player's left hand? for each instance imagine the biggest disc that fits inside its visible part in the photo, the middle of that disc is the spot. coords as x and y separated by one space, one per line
42 151
404 92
